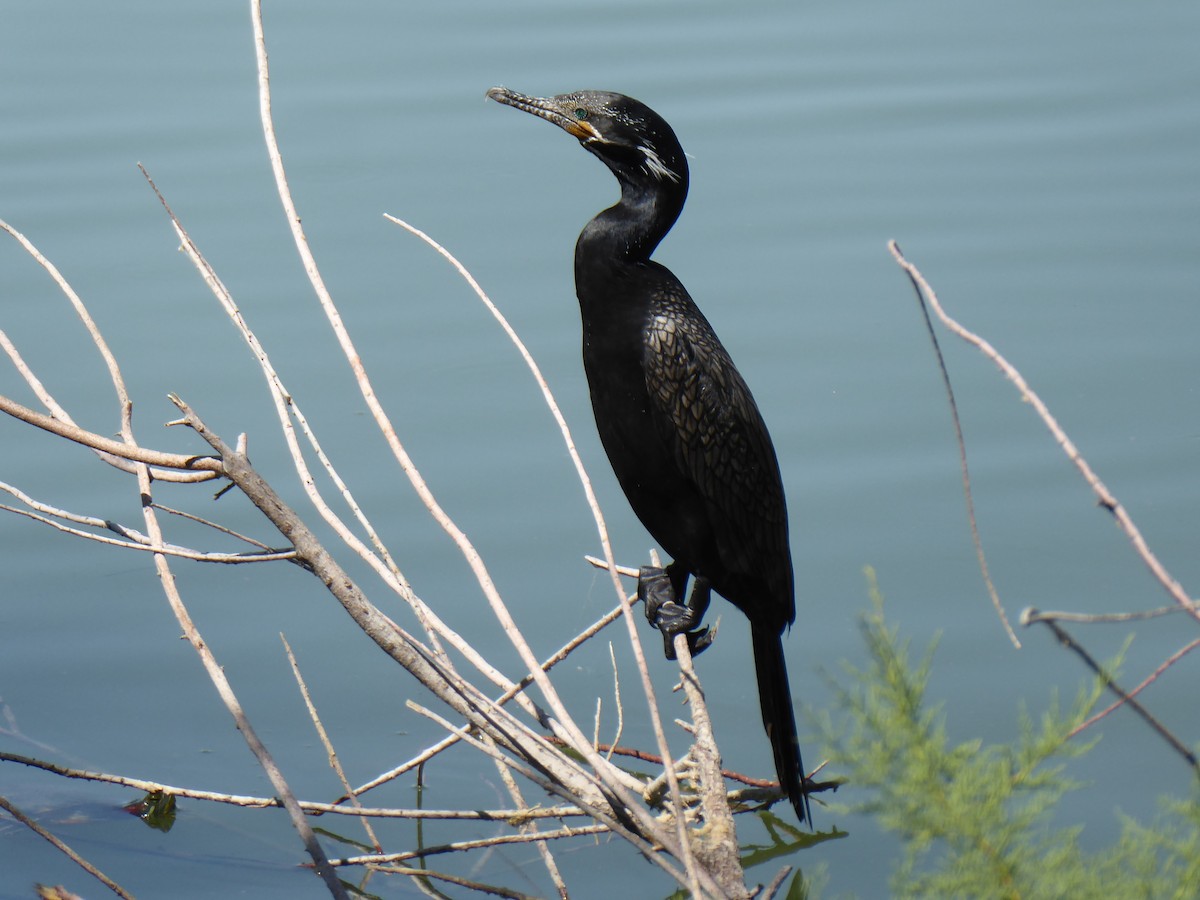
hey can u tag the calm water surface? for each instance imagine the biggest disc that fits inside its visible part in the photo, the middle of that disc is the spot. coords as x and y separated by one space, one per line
1038 162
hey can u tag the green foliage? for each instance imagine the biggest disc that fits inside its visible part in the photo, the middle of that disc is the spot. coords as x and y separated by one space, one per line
975 818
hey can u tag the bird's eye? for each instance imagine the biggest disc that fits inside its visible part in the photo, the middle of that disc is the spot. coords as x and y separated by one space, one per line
581 113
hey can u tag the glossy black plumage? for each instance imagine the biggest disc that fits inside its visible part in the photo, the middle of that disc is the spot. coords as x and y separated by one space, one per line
679 425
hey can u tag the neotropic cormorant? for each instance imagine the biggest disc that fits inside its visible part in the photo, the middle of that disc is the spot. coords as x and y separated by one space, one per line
679 424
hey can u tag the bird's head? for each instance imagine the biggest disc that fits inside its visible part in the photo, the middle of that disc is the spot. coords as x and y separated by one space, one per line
630 138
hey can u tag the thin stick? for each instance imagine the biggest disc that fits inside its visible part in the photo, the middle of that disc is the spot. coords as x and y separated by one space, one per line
251 802
721 846
287 409
1071 644
478 886
382 859
612 657
62 847
140 542
772 889
1146 682
105 353
1104 496
330 753
449 741
972 523
108 445
1031 615
216 675
215 526
627 571
530 828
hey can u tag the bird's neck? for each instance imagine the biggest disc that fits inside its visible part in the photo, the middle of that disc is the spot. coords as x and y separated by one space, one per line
630 230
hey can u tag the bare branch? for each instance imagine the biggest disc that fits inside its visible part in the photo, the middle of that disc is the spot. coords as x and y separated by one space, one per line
1105 497
459 846
718 845
93 330
216 675
1103 674
137 541
330 753
682 845
968 496
627 571
251 802
58 843
482 888
108 445
1036 615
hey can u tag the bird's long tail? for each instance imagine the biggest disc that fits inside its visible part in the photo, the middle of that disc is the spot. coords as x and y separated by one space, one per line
775 696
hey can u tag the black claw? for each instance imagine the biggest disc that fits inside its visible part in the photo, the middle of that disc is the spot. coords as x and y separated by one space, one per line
657 589
699 641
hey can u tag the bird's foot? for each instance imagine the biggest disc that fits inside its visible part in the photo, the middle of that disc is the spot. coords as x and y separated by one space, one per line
670 617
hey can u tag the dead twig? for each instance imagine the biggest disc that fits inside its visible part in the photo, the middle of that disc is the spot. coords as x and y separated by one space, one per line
1030 616
252 802
330 753
1104 496
63 848
216 675
922 291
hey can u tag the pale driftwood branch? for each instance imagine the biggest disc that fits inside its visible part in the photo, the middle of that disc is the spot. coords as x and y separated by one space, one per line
139 542
216 675
287 410
602 529
39 389
383 859
717 844
595 797
627 571
419 874
530 828
108 445
330 753
513 690
772 889
62 847
215 526
1040 615
1103 494
252 802
381 563
620 729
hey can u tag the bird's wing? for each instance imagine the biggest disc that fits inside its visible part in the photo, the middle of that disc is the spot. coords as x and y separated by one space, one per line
705 412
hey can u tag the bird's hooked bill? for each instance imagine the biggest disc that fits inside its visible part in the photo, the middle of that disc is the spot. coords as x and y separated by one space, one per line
552 109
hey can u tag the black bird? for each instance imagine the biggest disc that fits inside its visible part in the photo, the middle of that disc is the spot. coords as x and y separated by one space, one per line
681 429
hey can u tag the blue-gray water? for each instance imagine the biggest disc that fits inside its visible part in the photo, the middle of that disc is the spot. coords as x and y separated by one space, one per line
1038 161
